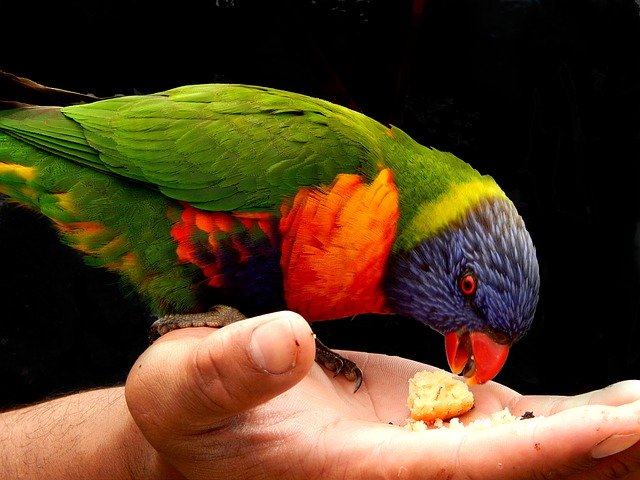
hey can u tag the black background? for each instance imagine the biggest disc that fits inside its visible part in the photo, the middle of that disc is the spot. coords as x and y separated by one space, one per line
543 95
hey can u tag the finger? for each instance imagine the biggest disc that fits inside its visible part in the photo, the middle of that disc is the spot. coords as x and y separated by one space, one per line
199 378
569 443
620 393
575 443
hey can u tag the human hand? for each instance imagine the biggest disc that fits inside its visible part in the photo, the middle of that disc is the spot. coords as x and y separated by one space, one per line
248 401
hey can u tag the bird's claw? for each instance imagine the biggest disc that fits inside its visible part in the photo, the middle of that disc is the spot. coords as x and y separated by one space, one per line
336 363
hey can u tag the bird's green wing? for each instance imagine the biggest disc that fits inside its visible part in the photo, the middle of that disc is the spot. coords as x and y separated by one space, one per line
217 146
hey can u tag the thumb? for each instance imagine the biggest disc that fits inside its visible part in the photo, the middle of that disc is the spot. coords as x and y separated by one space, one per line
198 379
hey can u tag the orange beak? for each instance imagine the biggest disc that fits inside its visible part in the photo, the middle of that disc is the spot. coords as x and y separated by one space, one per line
476 355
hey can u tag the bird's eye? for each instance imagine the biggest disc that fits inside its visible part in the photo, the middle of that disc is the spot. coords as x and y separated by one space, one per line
468 283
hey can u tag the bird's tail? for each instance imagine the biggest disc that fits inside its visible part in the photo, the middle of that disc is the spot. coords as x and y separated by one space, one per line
19 162
18 91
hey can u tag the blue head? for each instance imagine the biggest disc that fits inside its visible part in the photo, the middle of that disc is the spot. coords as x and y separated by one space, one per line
476 282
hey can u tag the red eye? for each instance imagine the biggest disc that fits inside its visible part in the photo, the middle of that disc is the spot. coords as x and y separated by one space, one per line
468 284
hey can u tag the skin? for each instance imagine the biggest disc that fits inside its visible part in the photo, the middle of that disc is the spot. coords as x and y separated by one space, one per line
248 401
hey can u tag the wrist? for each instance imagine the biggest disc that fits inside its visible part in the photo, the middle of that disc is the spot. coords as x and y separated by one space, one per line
85 435
136 459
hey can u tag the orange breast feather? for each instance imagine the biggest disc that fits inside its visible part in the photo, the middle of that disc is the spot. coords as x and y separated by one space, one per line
335 245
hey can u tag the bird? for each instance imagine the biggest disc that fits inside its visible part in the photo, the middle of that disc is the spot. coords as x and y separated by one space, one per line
218 201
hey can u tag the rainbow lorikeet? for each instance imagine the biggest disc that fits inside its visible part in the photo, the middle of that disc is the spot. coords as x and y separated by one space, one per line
262 199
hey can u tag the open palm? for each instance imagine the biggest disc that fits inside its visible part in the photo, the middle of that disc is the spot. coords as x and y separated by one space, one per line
206 402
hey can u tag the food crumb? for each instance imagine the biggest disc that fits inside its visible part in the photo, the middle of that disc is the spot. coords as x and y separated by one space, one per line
497 418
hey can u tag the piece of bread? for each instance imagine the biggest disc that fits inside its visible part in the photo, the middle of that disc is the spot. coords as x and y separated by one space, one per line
437 395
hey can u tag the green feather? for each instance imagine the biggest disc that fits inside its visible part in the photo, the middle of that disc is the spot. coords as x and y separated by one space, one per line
224 147
235 147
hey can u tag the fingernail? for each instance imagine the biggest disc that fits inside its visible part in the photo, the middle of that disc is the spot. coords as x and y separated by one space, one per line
274 347
614 444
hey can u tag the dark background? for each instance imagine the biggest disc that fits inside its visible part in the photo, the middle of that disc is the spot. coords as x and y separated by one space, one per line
543 95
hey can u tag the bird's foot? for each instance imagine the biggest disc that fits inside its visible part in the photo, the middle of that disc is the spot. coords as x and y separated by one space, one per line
223 315
218 316
336 363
